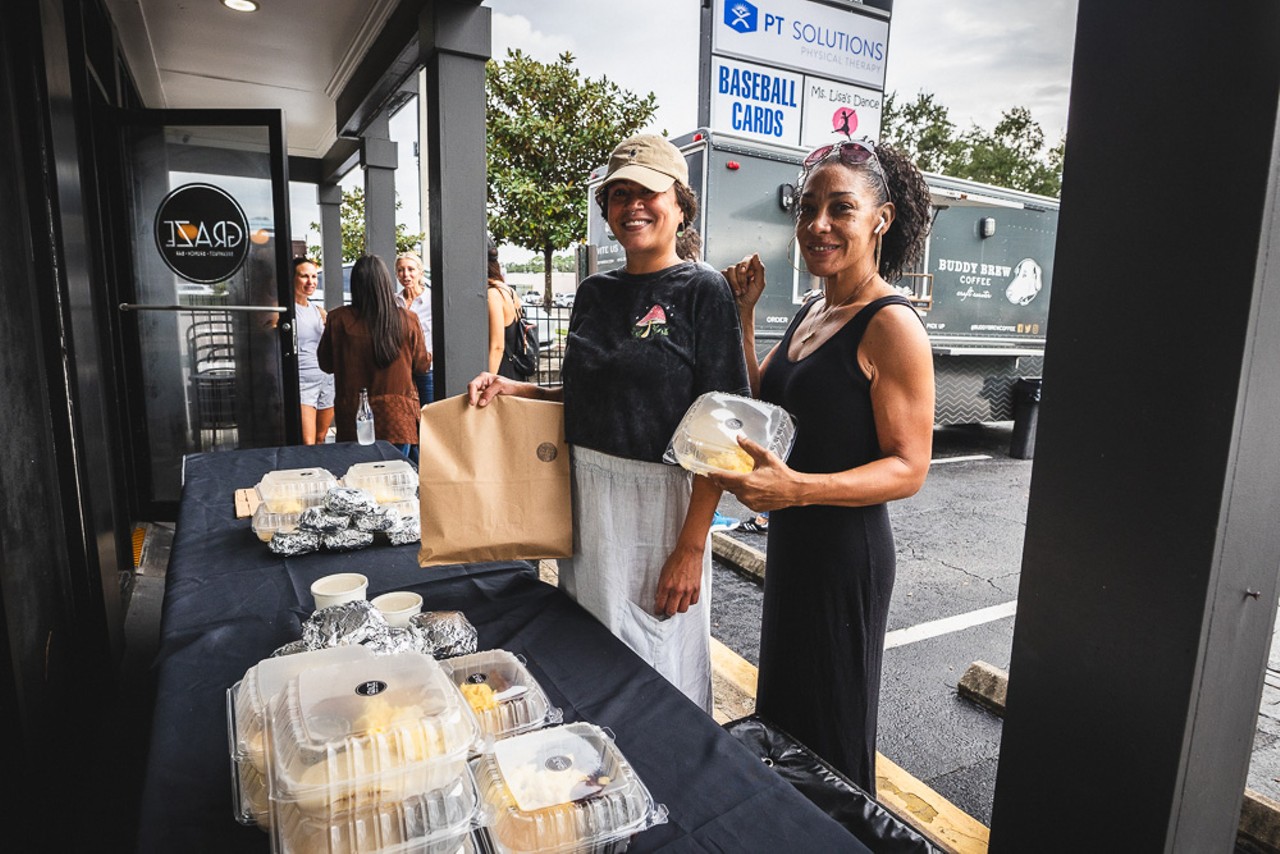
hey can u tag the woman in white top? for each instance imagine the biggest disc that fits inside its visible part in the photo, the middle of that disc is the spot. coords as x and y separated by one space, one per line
415 297
314 385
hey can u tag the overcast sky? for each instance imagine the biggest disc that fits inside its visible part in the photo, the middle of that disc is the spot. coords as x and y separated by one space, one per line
978 59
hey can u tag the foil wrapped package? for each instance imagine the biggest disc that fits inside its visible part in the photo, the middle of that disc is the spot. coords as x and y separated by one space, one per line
444 634
348 540
396 640
322 521
347 624
349 501
379 519
408 531
290 648
293 543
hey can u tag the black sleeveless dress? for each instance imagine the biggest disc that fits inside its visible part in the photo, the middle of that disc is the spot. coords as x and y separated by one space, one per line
830 570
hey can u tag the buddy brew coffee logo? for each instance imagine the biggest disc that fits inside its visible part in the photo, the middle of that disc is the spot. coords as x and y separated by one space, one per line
202 233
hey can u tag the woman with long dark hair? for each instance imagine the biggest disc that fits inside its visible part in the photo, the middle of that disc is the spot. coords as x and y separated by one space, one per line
375 344
503 314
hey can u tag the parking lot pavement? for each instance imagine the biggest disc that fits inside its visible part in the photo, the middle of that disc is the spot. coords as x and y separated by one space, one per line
959 544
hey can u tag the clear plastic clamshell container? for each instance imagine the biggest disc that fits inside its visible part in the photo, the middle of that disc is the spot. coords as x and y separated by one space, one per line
563 789
386 480
366 734
706 440
505 698
294 490
440 821
267 524
247 703
408 508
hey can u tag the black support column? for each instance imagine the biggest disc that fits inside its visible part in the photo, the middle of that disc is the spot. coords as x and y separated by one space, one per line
455 41
1148 591
378 157
329 195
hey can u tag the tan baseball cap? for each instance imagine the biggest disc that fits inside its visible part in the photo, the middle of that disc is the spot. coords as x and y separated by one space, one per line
650 161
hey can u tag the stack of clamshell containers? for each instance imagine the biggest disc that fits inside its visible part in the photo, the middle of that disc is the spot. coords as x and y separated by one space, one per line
344 752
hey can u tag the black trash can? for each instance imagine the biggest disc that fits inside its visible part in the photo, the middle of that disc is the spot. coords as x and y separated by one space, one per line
1026 412
863 816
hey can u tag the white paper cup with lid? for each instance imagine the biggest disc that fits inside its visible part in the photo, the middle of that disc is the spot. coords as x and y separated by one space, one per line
339 588
399 606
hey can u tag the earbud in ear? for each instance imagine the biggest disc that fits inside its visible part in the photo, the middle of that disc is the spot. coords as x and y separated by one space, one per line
880 227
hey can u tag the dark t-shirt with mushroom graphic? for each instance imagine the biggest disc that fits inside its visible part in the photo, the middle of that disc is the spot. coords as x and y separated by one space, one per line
640 350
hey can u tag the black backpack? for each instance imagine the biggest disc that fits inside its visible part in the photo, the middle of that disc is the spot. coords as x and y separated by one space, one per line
524 356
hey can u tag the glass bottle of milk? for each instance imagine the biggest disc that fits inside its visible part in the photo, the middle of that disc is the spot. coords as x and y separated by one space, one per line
364 419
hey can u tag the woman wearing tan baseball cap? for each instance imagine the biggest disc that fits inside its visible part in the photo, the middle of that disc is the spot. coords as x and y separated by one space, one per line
644 341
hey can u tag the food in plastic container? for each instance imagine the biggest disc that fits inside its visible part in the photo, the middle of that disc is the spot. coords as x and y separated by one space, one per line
505 698
435 822
365 734
563 789
267 524
706 440
293 490
387 480
247 702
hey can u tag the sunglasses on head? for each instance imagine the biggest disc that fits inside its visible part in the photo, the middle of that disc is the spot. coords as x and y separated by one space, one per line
850 153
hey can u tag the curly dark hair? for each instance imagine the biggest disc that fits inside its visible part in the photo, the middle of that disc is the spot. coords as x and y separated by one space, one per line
903 242
685 198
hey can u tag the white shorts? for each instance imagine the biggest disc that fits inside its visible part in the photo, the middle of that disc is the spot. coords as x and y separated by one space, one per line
317 393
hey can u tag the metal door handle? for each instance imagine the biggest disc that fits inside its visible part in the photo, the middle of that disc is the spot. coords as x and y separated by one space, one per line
275 309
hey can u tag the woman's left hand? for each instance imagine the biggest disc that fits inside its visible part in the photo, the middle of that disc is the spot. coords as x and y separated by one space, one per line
772 484
680 582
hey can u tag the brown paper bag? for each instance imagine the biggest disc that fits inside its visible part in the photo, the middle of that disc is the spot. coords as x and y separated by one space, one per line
493 482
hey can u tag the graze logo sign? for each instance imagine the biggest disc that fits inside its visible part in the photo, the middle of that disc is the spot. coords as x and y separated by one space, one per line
202 233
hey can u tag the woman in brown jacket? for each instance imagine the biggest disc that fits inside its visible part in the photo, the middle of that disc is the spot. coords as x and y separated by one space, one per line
376 345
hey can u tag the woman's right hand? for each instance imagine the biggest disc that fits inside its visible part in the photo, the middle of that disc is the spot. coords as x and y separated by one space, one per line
746 280
486 387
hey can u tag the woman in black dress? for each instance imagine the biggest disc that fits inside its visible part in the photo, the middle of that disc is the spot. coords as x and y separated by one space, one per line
855 369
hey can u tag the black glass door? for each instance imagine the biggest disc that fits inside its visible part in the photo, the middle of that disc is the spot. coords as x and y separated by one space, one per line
206 315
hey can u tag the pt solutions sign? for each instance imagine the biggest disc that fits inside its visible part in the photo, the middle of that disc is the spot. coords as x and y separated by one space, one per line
795 72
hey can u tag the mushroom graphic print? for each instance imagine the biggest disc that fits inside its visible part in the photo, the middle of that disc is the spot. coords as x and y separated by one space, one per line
652 324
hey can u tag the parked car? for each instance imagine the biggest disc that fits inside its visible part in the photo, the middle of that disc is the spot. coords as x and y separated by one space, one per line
532 298
543 322
563 300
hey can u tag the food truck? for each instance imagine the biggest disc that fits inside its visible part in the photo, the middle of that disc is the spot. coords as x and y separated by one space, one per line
982 286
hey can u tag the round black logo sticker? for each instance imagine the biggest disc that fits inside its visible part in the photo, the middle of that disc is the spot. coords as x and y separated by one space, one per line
557 763
371 688
547 451
202 233
733 424
478 678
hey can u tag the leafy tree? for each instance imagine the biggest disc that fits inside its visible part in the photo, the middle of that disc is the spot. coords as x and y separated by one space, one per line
921 128
351 214
1011 155
537 264
548 127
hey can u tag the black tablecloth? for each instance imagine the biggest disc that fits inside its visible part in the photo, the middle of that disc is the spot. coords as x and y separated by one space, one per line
229 602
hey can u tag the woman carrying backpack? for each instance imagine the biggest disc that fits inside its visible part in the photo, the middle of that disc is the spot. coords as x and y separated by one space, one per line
504 322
